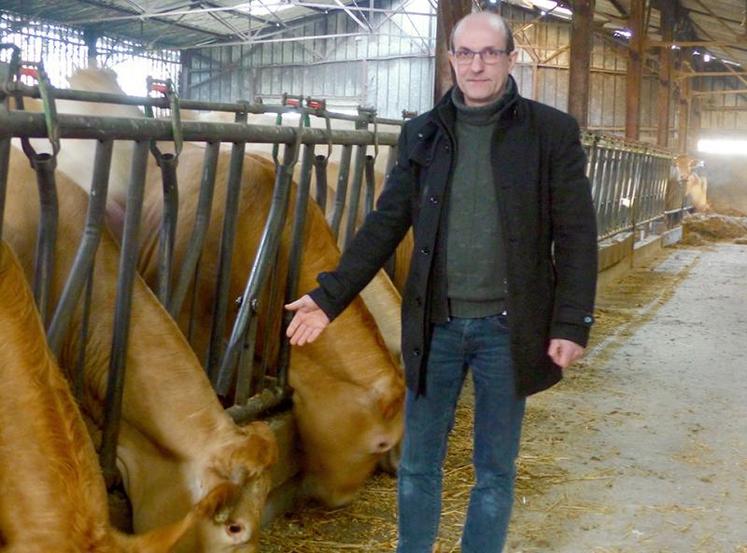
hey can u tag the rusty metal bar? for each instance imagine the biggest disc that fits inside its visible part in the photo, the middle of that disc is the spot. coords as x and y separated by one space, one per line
368 203
44 166
122 311
84 258
320 175
199 231
228 238
167 234
80 362
22 123
266 252
294 259
14 88
355 194
342 190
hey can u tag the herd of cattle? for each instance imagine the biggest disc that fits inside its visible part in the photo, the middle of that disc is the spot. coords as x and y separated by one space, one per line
196 481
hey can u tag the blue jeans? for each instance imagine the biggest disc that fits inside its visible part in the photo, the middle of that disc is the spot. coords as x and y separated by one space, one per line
482 345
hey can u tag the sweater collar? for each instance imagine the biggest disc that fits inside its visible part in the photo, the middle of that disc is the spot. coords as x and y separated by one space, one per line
487 114
445 110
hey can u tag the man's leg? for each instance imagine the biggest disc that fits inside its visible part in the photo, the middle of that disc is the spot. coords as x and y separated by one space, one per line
428 420
497 430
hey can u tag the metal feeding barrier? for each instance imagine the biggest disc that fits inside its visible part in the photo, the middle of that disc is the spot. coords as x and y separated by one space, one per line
628 180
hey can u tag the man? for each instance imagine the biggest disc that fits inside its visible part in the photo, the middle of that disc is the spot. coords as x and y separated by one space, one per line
502 276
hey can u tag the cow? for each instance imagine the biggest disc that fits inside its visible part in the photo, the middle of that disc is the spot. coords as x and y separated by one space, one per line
696 186
176 441
359 387
52 493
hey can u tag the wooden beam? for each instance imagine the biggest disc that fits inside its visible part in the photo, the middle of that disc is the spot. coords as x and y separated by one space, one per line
697 43
666 24
713 74
683 116
582 35
635 67
620 8
449 13
720 92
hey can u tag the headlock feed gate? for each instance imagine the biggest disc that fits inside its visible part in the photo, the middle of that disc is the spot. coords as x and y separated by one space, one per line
630 184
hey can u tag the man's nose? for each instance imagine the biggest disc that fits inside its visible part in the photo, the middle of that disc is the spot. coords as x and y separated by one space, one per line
477 63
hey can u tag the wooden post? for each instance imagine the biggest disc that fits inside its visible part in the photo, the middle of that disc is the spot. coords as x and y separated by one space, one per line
635 70
684 109
449 12
667 11
582 40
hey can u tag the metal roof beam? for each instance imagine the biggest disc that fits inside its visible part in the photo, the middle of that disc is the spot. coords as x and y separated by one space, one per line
352 16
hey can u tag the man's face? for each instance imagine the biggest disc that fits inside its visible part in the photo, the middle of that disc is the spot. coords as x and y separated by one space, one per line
480 82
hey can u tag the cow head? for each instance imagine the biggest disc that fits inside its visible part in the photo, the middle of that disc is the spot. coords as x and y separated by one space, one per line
346 429
242 461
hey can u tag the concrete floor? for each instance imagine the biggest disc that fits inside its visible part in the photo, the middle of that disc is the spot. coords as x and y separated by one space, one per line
641 449
658 461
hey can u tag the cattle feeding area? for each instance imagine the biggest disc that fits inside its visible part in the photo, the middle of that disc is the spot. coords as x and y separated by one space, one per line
160 253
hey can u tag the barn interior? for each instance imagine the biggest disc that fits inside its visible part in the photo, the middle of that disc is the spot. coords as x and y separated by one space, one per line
659 89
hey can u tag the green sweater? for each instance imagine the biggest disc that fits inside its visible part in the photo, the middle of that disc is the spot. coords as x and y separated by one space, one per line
475 260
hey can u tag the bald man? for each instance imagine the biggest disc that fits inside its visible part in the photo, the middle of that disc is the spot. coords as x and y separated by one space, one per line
502 277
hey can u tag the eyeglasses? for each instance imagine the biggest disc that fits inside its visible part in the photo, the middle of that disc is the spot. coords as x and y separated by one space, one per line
489 56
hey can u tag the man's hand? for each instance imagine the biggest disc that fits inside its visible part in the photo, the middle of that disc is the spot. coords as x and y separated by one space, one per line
307 323
564 352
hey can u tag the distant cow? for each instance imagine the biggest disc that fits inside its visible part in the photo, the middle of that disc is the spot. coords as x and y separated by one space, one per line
696 186
176 441
52 494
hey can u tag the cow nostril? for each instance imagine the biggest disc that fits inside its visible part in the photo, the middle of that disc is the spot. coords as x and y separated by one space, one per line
384 446
235 529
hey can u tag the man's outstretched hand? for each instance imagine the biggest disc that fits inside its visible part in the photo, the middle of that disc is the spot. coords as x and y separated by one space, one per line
308 322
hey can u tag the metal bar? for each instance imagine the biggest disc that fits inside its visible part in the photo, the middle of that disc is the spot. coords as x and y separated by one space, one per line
122 312
269 399
46 241
86 251
294 259
248 382
4 164
167 233
342 189
320 174
15 88
225 256
268 247
368 203
107 128
199 230
355 194
80 362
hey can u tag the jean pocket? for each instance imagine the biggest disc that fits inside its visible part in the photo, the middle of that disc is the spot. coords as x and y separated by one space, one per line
499 321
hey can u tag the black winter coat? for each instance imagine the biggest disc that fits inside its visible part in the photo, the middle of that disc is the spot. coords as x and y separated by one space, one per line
549 228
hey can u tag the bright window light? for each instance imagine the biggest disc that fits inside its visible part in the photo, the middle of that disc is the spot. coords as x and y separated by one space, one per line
723 146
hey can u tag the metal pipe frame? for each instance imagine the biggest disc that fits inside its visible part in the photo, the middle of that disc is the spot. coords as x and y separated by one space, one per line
44 165
355 194
86 253
320 176
342 189
169 217
199 231
228 238
122 310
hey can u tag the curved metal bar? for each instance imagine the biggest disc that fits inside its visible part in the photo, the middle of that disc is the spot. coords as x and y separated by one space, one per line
86 251
167 235
342 190
202 220
122 310
320 175
44 165
355 194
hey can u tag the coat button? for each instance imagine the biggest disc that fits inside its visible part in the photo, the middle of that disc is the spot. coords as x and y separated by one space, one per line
420 136
433 200
425 251
447 148
419 301
416 352
588 319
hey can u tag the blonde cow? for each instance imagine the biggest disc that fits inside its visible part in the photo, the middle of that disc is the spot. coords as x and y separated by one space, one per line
52 494
348 390
696 186
176 442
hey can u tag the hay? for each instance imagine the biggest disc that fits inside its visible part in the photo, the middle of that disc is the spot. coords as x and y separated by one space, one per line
714 226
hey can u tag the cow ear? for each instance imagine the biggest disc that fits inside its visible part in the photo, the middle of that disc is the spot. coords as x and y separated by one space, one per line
246 458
